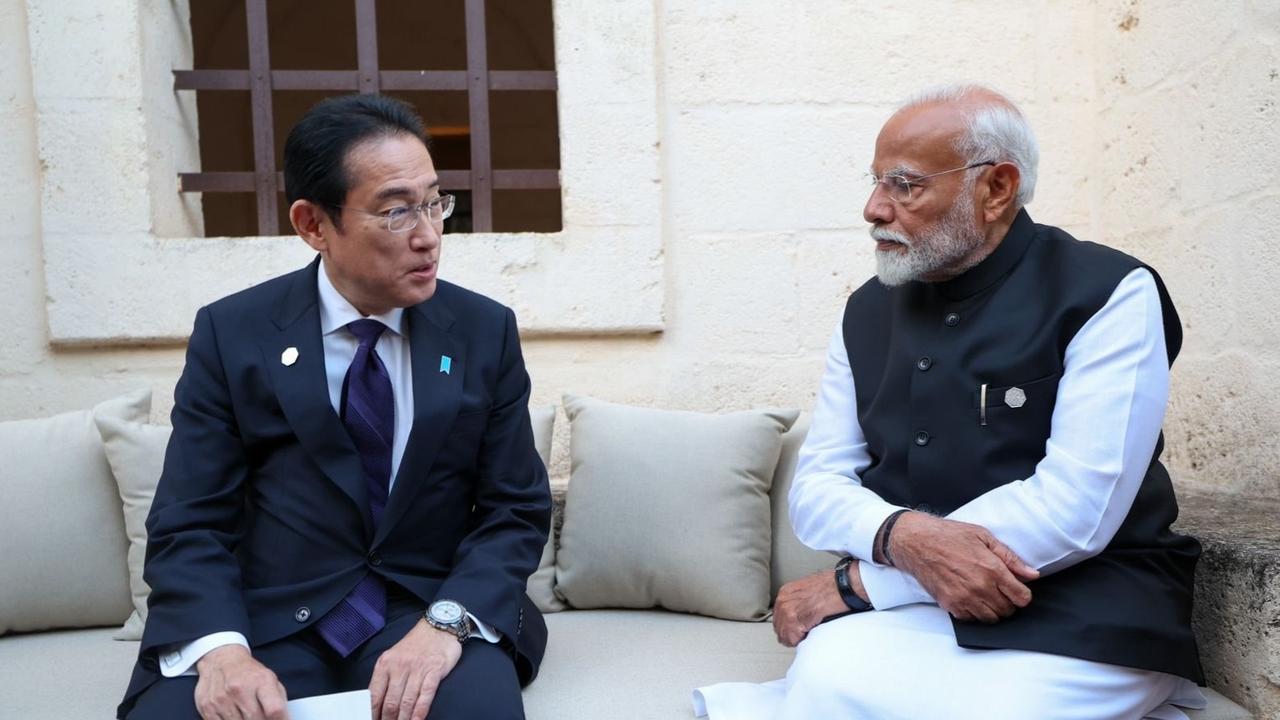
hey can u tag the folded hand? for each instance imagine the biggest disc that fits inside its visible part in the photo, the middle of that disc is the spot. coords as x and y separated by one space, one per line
970 573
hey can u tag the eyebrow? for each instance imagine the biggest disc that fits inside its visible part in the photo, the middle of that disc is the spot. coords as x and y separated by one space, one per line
904 171
400 191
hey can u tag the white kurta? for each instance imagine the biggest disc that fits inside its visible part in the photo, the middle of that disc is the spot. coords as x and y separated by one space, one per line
901 660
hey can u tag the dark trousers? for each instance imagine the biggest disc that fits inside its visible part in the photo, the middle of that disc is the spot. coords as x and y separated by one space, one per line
482 685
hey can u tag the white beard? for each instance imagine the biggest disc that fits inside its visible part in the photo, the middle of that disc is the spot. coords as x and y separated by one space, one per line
941 247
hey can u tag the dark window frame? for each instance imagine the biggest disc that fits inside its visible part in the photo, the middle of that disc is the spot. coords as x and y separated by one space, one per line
260 80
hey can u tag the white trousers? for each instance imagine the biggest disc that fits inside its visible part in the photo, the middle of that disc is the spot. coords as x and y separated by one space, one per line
904 664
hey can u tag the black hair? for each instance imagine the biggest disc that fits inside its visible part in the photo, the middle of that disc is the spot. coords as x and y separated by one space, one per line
315 153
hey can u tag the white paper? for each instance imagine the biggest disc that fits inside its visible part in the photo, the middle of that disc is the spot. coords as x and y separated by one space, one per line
352 705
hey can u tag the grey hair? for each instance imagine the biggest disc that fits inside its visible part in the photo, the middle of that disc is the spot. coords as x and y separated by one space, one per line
997 131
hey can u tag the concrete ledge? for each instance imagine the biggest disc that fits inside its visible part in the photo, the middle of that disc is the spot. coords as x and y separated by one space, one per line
1237 612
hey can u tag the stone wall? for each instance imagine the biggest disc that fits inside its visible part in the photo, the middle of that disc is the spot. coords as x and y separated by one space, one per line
713 153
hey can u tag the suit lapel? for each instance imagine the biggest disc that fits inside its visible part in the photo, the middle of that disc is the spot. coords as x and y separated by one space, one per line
437 395
302 389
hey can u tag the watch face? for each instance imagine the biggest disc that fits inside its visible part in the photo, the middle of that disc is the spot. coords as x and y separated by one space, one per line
446 612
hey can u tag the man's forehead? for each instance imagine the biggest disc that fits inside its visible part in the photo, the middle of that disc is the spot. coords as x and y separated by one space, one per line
384 166
920 138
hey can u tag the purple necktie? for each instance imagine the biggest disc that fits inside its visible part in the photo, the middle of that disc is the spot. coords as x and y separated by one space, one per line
368 411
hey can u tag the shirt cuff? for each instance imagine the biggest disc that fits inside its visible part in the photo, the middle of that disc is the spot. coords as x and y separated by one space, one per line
862 536
178 660
486 631
888 587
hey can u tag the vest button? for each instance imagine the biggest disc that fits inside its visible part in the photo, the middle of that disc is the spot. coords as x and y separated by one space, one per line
952 320
375 559
924 363
303 614
922 438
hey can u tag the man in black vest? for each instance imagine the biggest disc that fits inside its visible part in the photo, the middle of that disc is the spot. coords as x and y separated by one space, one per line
985 454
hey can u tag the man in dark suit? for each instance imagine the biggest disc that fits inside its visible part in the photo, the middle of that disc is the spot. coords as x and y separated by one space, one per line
351 496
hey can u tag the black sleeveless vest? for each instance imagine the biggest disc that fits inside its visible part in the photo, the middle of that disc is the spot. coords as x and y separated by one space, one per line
919 354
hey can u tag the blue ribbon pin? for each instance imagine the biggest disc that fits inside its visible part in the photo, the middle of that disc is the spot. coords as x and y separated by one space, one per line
446 363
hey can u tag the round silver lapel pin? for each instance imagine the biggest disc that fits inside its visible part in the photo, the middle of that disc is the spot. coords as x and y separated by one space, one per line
289 356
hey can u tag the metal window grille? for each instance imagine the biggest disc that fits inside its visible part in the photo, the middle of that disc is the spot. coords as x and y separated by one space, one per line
260 80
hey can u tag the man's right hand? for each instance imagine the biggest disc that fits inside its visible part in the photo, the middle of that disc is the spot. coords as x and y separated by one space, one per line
970 573
235 686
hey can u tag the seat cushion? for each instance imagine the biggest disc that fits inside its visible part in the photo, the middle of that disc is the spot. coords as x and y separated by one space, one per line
645 664
636 664
67 674
641 664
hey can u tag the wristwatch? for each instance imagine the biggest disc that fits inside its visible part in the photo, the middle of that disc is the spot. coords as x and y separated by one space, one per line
450 616
851 599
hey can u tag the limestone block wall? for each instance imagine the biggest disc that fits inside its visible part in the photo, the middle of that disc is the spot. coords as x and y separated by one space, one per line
713 153
1188 108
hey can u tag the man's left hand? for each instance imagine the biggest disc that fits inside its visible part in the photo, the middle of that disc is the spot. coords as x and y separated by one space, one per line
803 603
406 677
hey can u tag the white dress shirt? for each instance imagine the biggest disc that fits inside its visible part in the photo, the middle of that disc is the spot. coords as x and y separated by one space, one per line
1106 421
336 312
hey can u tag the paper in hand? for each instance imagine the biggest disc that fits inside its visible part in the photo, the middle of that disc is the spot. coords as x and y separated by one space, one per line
352 705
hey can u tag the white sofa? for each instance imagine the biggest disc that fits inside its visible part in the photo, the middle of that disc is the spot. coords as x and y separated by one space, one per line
65 588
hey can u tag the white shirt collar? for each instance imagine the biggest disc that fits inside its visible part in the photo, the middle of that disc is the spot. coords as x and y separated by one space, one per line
336 312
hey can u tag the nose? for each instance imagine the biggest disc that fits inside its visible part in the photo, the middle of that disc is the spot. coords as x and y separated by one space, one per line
426 234
879 208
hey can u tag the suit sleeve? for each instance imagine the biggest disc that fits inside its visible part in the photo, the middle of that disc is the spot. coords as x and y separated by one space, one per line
195 519
512 503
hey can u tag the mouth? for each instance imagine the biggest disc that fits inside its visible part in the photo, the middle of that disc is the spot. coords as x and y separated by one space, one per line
424 272
889 241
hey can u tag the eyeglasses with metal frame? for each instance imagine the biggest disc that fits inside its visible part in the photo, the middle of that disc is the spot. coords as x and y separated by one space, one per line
404 218
899 186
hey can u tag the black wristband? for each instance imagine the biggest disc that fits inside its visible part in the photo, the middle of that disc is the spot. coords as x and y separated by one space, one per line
850 598
885 529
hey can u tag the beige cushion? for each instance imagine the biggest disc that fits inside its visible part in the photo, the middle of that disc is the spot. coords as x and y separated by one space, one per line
541 584
136 454
645 664
791 558
669 509
63 675
647 671
61 528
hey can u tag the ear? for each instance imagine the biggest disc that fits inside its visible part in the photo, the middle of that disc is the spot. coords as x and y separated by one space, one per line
1002 190
308 219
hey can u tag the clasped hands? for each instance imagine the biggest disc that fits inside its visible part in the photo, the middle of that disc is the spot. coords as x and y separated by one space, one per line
971 575
235 686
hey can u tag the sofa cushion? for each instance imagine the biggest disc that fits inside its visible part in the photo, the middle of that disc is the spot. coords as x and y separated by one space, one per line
136 453
60 523
66 674
791 558
645 665
542 583
642 664
600 663
669 509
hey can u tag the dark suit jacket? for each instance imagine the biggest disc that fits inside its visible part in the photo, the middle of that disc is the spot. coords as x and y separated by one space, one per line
261 520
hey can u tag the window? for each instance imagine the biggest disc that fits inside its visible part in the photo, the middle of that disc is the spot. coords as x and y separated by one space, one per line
480 72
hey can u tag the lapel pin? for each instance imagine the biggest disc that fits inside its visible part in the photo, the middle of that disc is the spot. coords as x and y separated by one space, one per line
1014 397
289 356
446 364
